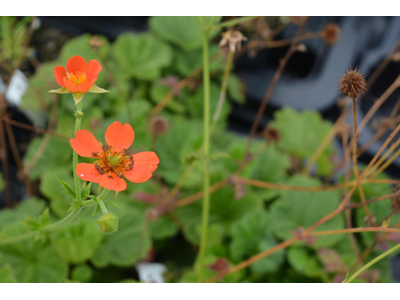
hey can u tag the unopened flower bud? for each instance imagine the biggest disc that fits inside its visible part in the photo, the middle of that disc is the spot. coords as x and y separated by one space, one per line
108 223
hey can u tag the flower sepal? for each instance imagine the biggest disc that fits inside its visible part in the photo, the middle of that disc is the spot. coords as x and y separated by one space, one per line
97 90
78 97
108 222
61 90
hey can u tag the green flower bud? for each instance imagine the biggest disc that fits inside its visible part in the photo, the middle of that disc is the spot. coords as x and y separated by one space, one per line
108 223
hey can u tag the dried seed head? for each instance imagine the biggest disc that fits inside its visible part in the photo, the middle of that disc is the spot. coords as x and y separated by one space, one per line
96 43
234 38
352 83
298 20
158 125
330 34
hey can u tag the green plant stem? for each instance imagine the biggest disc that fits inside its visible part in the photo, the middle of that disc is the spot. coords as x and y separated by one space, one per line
206 152
372 262
224 87
235 21
78 121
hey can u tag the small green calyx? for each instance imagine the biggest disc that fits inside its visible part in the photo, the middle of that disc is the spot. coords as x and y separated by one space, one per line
108 223
78 114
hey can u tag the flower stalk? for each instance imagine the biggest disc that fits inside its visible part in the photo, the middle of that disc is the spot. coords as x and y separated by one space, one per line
206 152
78 121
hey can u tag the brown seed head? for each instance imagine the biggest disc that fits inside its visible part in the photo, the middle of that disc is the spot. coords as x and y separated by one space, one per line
233 38
352 83
330 34
158 125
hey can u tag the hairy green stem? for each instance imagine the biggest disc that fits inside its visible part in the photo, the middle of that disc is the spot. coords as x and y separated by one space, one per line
206 152
78 121
372 262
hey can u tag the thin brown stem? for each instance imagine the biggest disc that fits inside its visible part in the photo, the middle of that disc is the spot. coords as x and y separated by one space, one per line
271 87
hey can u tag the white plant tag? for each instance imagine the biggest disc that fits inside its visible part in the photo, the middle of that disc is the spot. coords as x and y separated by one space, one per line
151 272
16 89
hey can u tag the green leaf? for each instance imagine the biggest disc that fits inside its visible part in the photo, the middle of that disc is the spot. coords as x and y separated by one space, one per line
81 46
159 91
302 209
6 274
181 139
163 228
187 63
305 261
141 56
82 273
34 262
56 155
49 186
77 242
185 32
301 133
195 103
126 246
67 188
251 235
31 207
271 165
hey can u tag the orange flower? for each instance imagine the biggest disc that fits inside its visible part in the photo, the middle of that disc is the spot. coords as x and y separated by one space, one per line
79 77
113 160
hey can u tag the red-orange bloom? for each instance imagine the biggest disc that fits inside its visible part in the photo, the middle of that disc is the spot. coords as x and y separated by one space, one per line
113 160
79 78
81 75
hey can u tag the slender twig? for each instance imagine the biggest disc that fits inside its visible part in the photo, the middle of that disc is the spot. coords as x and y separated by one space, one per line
235 21
78 122
34 129
271 88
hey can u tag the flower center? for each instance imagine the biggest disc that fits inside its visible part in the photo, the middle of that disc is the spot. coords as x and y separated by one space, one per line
112 163
77 77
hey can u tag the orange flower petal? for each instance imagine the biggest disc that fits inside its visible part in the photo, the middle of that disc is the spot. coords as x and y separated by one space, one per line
85 144
119 136
114 184
146 158
139 174
84 87
60 74
93 69
72 87
76 64
144 163
88 172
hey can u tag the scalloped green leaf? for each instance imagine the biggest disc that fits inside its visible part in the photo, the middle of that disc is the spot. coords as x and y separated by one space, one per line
302 209
183 31
141 56
251 235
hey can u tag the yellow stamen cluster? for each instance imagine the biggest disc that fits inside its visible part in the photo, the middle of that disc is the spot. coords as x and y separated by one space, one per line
112 163
77 78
